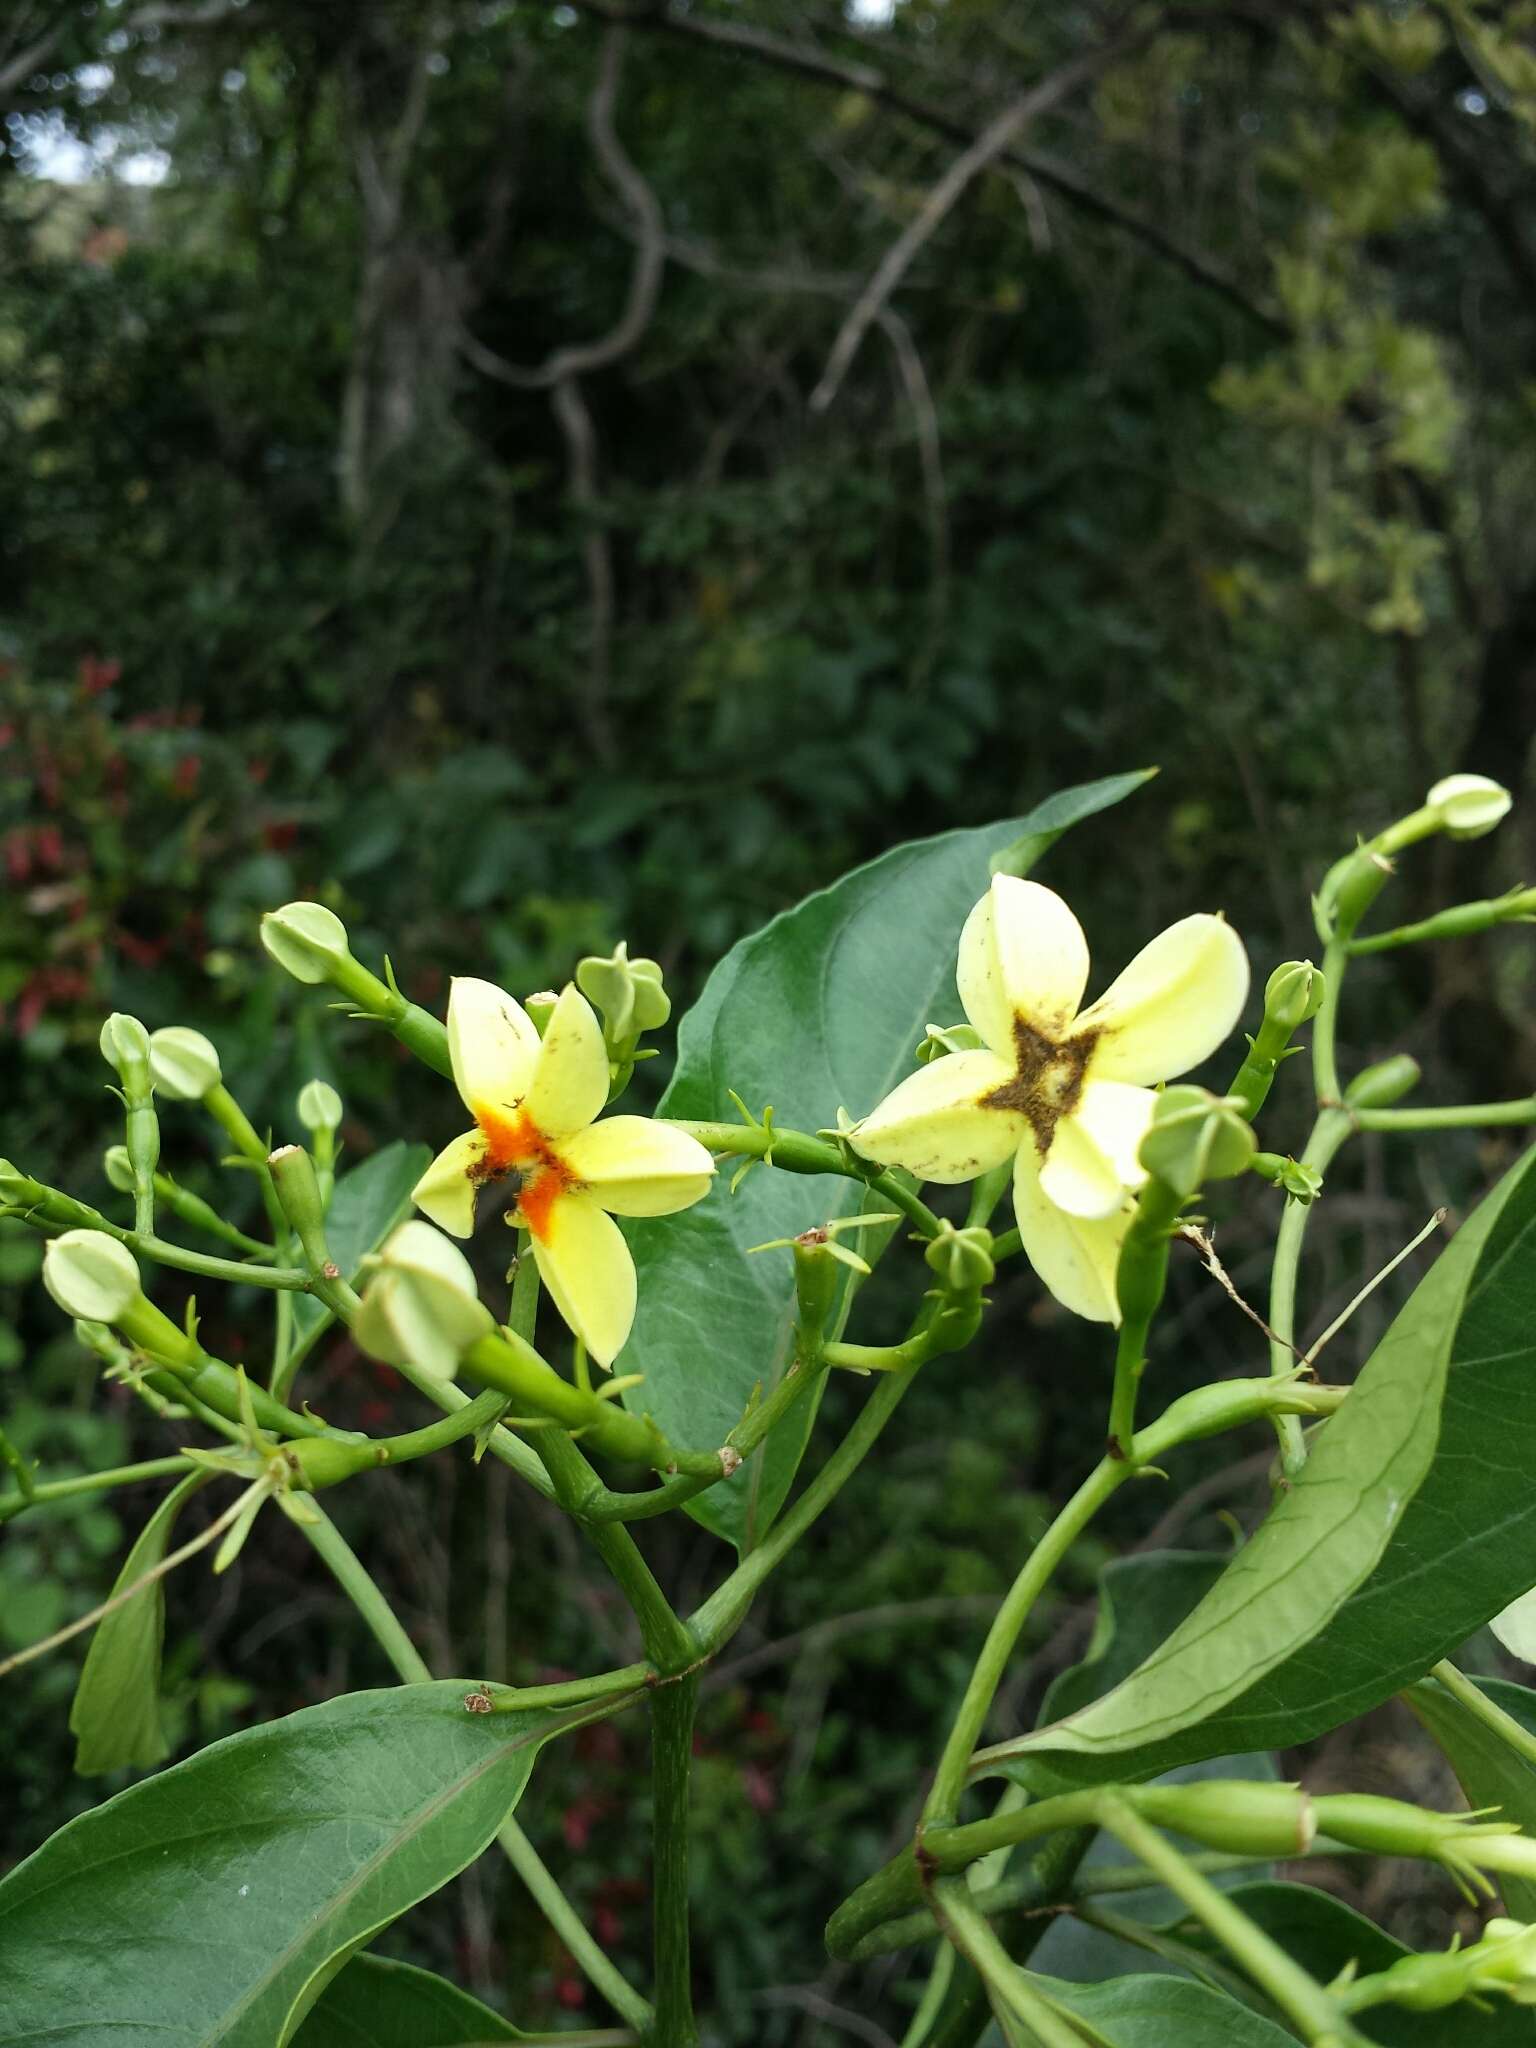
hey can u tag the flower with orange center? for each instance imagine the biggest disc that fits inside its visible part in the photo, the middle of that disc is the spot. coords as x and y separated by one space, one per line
1062 1091
537 1147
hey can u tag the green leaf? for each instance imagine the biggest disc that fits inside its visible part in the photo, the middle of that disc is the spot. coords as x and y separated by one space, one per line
1394 1543
821 1009
1153 2012
207 1904
1324 1936
1487 1769
379 2004
367 1204
116 1711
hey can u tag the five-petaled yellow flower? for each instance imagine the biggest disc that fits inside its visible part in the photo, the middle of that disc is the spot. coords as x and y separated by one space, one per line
1064 1091
537 1146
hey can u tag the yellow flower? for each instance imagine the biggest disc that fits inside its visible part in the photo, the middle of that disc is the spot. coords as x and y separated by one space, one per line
1064 1092
537 1146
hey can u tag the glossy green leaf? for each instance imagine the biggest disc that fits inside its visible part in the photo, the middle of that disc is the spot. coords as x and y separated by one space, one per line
821 1010
1487 1769
1325 1936
1391 1547
367 1204
209 1903
116 1712
1156 2012
379 2004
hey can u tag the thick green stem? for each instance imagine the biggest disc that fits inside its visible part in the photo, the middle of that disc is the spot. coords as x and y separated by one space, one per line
1458 1116
672 1712
798 1152
949 1780
668 1642
149 1330
973 1935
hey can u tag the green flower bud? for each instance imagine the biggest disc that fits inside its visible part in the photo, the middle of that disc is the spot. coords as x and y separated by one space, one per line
185 1065
1196 1137
118 1169
1229 1813
1293 994
1379 1086
91 1276
628 992
1301 1182
124 1042
541 1007
940 1039
306 940
962 1258
421 1307
326 1460
319 1106
1469 805
298 1192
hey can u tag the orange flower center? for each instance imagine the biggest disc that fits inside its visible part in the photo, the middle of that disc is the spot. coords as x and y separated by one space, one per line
517 1145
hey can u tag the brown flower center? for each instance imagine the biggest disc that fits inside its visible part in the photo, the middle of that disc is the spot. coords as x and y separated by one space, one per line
1047 1083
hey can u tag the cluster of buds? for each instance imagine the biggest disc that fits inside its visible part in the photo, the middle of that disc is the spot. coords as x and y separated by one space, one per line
1503 1960
629 997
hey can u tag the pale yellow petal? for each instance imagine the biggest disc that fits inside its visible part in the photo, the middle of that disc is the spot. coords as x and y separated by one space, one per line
635 1166
1117 1116
570 1076
936 1123
1075 1174
1178 1000
1022 954
585 1264
1516 1628
492 1044
446 1191
1075 1256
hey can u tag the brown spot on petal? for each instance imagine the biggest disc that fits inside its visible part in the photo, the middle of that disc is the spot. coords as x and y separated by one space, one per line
1047 1083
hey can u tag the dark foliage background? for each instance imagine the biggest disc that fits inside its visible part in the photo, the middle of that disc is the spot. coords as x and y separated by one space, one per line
423 486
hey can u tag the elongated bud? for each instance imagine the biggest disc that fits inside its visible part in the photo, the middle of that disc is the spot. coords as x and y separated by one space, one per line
420 1307
1294 994
91 1276
1196 1137
116 1166
306 940
940 1039
1222 1813
1387 1082
1301 1182
1391 1827
1469 805
319 1107
185 1065
962 1258
125 1043
293 1176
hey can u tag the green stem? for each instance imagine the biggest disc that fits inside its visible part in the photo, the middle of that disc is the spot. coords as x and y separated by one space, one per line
192 1209
973 1935
668 1642
353 1578
717 1619
1456 1117
45 1208
672 1713
243 1135
523 1310
1325 1064
1476 1701
1140 1278
148 1330
798 1152
949 1780
417 1029
1333 1126
46 1490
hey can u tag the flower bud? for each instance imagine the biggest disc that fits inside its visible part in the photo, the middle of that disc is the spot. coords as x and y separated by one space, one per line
962 1258
1469 805
124 1041
1379 1086
421 1307
325 1460
1293 994
319 1107
628 992
1231 1813
306 940
185 1065
1301 1182
1196 1137
90 1275
541 1007
940 1039
118 1169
